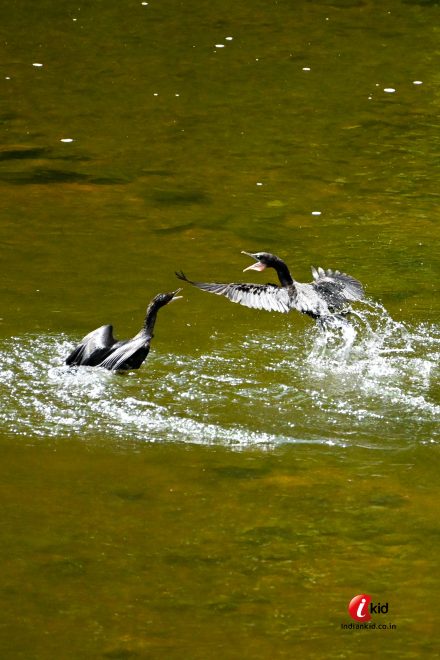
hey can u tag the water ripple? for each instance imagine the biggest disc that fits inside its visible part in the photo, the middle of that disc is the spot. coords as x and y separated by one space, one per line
376 389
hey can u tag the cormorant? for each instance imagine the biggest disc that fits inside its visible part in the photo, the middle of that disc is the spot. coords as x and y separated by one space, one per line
100 348
323 299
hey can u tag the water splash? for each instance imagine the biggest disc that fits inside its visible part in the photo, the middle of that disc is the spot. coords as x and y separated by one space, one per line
374 386
389 372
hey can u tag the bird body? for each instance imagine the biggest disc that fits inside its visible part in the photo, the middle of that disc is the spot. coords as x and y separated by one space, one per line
101 349
329 294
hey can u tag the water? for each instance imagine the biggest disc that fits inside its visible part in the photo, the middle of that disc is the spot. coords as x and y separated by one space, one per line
326 388
228 499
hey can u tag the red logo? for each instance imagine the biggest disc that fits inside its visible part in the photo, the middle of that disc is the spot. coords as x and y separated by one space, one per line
358 607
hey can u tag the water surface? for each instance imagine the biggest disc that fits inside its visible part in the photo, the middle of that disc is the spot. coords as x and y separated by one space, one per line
229 498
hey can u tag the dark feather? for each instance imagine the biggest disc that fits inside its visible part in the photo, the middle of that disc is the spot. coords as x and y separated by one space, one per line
100 348
127 354
337 285
93 348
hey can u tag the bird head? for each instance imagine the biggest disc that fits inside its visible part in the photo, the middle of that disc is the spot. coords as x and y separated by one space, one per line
164 298
263 260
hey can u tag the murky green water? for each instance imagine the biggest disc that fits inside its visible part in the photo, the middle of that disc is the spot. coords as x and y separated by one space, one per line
230 498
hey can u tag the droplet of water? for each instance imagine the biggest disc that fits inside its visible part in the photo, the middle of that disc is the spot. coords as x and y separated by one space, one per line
37 64
316 212
306 68
66 140
417 82
389 90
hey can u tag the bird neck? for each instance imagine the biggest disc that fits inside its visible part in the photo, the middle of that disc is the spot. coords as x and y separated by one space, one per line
283 273
150 318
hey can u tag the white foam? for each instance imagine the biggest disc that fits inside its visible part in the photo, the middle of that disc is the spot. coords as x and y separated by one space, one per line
371 386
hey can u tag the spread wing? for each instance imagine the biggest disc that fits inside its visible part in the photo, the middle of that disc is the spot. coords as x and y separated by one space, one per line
93 347
337 285
127 354
270 297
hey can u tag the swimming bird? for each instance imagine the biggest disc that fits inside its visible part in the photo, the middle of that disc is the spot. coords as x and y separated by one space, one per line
327 297
101 349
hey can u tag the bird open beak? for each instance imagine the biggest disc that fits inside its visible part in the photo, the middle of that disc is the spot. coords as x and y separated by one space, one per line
176 297
257 266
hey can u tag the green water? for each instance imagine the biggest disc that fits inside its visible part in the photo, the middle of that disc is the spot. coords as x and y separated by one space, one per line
229 498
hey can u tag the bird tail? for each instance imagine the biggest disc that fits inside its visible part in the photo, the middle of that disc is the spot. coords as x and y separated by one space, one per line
352 289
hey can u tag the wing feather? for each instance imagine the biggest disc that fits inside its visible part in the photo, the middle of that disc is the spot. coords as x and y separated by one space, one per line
122 353
340 285
92 347
269 297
